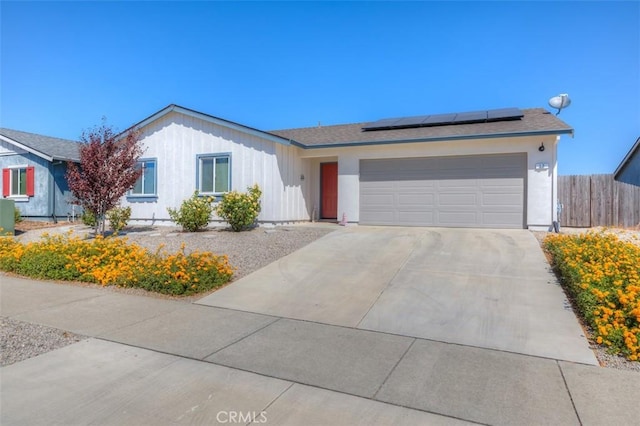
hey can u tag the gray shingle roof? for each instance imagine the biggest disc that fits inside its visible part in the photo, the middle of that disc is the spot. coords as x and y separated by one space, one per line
535 121
56 148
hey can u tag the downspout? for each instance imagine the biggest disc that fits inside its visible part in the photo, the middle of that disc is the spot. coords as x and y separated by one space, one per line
555 202
53 191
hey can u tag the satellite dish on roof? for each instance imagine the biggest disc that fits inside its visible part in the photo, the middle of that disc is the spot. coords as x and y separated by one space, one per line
559 102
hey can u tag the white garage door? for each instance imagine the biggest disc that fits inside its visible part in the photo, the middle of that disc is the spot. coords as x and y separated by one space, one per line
484 191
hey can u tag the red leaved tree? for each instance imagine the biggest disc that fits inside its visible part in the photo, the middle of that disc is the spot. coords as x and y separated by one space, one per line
107 170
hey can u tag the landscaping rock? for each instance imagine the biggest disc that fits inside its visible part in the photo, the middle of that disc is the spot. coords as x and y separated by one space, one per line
22 340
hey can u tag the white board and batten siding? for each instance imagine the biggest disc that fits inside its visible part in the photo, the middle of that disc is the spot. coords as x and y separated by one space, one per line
175 140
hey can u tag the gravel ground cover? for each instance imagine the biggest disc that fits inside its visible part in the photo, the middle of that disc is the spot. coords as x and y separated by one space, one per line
248 251
21 340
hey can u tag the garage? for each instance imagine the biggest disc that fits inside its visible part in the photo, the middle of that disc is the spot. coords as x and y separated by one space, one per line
479 191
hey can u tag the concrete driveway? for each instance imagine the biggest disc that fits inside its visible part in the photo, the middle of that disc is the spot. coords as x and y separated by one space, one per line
484 288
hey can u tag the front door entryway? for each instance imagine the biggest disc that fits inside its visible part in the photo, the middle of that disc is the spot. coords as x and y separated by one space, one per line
329 190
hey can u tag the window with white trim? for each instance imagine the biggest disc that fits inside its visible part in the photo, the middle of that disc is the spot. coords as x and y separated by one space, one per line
214 175
145 186
18 181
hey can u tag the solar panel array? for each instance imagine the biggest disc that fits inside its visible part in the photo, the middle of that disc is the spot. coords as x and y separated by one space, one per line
503 114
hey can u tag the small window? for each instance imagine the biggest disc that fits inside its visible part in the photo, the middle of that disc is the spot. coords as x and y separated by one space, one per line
18 182
146 184
215 174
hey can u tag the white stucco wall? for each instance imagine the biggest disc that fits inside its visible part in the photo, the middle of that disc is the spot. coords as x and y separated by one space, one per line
540 184
175 140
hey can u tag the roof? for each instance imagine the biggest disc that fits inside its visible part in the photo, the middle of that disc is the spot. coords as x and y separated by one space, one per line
46 147
536 121
634 149
211 119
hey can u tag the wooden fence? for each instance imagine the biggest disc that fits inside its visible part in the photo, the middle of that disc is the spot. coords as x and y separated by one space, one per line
598 200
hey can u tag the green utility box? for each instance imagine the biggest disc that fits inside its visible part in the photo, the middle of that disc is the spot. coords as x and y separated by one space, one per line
7 217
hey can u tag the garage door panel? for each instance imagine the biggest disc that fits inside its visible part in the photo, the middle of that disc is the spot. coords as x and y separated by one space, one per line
498 161
499 218
450 163
501 183
401 176
407 200
444 173
465 191
380 186
456 217
502 199
493 172
457 183
415 218
379 199
462 199
384 167
415 184
385 218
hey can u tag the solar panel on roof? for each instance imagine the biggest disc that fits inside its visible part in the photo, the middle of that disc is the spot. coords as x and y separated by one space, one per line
410 121
502 114
381 124
471 117
439 119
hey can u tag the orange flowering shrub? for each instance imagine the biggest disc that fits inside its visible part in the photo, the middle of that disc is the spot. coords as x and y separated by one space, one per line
114 261
603 275
10 253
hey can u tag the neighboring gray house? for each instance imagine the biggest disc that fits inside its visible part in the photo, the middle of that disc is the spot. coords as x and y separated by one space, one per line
629 169
33 173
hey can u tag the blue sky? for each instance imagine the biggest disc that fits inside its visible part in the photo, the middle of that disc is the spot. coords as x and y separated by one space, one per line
274 65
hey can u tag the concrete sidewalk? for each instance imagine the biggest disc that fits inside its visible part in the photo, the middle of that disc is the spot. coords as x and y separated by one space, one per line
152 361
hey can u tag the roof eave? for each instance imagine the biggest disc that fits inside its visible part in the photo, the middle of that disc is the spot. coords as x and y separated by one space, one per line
626 158
26 148
68 159
443 138
210 119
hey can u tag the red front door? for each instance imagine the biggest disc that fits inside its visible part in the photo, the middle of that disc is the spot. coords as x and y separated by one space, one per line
329 190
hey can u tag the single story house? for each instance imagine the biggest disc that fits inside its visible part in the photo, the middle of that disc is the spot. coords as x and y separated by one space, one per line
484 169
629 169
33 173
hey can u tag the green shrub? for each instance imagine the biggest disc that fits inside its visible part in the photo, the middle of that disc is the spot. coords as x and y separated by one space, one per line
45 264
194 213
118 218
17 217
88 218
239 209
